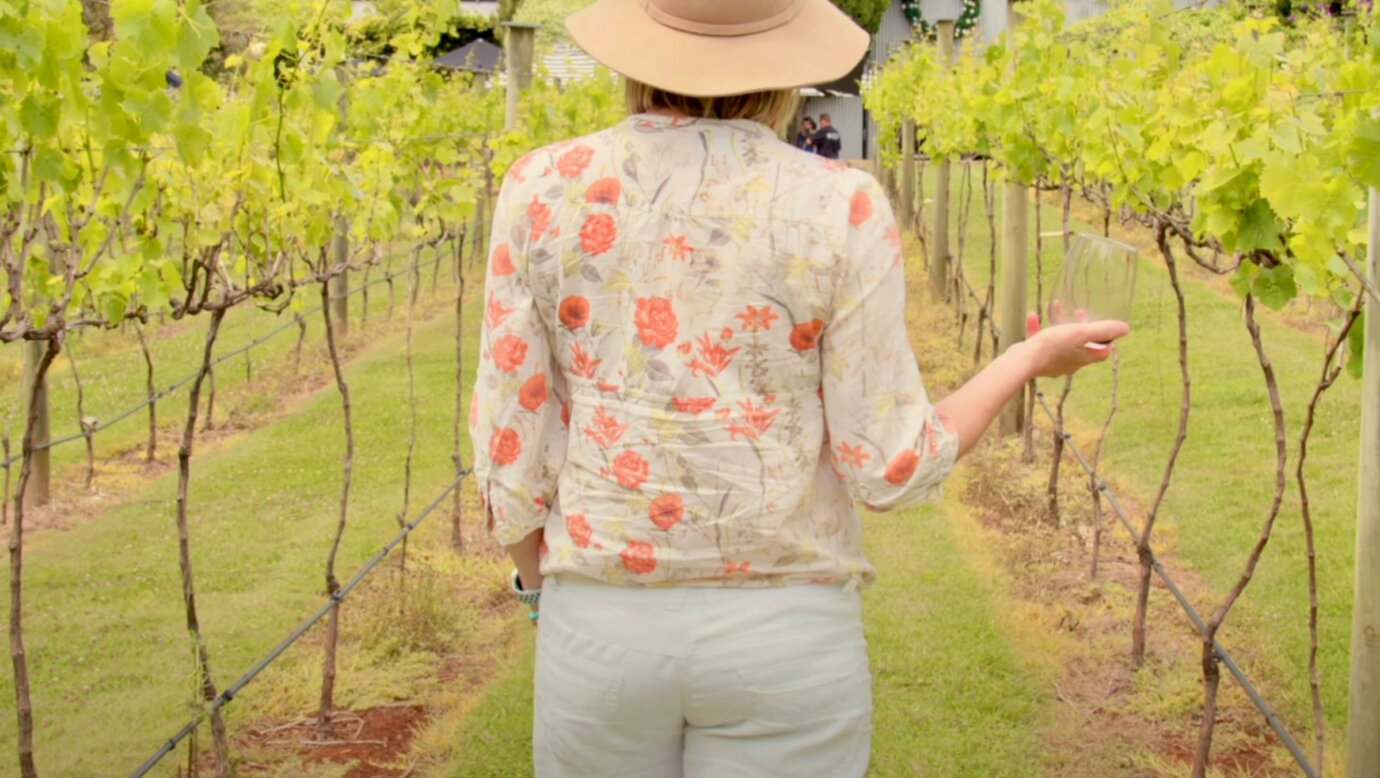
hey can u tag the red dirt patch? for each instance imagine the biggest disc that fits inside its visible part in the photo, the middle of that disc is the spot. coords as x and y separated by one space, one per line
373 740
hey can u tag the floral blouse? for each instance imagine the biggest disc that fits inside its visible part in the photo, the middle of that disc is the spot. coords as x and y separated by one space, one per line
695 360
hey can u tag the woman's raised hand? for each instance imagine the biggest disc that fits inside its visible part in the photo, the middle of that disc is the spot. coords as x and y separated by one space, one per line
1068 347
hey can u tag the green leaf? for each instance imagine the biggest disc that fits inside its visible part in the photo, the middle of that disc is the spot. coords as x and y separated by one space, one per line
1356 347
1363 153
113 307
39 116
26 42
196 37
1274 286
1286 136
191 142
1259 228
131 17
326 91
1279 182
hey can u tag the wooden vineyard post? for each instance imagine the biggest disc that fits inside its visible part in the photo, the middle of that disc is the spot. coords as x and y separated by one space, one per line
1363 721
1014 268
41 476
39 479
907 198
340 283
340 243
939 258
517 43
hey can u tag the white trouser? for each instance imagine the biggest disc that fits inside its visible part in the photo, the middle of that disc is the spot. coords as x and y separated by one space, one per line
697 682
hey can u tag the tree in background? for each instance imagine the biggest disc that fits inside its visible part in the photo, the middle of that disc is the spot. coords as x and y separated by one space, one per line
867 13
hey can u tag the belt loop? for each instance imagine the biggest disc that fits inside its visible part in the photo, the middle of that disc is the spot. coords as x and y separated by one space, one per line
851 586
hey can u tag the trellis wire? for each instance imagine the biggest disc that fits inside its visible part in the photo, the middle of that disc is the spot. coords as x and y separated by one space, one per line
1271 717
225 697
6 463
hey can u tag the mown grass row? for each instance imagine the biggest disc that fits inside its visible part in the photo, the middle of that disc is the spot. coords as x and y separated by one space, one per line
1225 476
111 662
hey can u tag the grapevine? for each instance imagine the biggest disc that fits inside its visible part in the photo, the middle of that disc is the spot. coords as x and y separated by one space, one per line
124 199
1226 133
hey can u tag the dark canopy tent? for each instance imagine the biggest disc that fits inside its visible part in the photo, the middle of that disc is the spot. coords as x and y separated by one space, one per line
477 56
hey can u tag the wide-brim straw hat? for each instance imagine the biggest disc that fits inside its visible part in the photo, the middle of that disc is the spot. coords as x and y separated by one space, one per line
712 48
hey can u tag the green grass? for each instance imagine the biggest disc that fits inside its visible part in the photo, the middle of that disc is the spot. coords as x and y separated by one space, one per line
110 661
1225 476
951 695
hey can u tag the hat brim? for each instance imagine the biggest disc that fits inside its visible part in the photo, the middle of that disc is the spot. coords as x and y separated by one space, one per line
819 45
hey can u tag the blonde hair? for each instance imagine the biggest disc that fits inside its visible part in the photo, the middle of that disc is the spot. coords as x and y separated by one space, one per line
774 108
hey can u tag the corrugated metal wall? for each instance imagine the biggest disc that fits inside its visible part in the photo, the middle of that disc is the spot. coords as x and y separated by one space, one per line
895 30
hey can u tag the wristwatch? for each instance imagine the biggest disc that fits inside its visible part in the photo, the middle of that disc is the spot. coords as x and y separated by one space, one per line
526 597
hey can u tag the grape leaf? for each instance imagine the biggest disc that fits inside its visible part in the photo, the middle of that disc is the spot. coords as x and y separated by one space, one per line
39 116
196 37
1275 286
1363 152
1356 347
1259 228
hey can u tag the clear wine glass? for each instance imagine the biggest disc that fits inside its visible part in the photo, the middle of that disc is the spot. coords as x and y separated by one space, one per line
1097 282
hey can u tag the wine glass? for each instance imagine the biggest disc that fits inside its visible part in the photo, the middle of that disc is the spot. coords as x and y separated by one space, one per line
1097 282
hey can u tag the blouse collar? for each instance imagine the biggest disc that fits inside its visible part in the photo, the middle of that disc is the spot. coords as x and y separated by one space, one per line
656 122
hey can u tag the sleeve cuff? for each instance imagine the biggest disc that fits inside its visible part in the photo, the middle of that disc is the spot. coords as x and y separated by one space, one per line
511 517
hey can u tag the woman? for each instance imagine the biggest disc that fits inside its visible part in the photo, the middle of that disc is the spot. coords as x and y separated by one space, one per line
695 368
804 137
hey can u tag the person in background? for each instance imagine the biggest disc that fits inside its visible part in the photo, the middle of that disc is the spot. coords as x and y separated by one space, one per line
826 139
695 375
804 137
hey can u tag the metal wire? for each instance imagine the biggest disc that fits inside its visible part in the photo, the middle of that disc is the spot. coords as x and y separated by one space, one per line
226 696
218 360
1271 717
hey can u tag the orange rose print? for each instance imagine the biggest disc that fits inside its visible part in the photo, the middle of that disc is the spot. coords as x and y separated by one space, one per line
577 526
505 446
630 469
859 208
805 336
533 392
540 214
598 234
502 260
667 510
902 467
574 311
639 557
656 321
572 163
604 191
509 353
